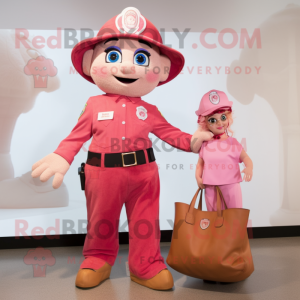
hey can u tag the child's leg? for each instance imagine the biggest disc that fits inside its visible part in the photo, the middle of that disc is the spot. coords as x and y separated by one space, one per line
232 194
210 198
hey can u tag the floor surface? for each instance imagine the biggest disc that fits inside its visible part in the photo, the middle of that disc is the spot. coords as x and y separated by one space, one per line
276 277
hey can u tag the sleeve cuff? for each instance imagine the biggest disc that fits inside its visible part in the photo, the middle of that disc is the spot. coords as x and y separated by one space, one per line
64 156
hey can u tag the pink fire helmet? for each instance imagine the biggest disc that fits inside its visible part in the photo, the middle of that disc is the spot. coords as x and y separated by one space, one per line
212 101
130 23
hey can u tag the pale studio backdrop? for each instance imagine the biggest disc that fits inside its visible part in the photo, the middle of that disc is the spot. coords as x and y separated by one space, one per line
250 51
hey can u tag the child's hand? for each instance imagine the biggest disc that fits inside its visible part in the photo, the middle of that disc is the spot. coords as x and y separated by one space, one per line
200 183
248 172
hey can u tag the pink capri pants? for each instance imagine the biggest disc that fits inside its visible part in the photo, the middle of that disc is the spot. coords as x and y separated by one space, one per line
232 194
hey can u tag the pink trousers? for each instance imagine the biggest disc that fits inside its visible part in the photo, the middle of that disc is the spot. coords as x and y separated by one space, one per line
106 190
232 194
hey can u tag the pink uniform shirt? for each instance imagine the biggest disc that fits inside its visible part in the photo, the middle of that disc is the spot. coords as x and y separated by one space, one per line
221 161
127 130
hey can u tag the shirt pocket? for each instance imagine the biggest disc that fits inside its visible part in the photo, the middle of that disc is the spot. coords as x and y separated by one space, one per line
139 122
104 123
100 111
102 130
141 128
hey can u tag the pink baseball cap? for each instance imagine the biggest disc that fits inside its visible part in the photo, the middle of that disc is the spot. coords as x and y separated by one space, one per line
212 101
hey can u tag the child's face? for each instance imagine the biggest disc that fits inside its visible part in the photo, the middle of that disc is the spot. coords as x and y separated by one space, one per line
217 123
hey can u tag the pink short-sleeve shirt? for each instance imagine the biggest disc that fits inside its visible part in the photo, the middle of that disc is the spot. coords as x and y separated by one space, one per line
221 161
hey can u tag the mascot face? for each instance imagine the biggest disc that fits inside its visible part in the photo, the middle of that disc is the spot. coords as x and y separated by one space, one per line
127 67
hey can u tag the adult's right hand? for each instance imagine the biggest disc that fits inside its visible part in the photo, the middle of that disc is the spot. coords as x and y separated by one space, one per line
52 164
199 137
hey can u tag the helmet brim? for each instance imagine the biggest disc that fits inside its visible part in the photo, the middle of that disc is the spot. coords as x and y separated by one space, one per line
176 58
210 111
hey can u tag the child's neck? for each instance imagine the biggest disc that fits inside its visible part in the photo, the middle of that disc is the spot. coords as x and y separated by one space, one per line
221 136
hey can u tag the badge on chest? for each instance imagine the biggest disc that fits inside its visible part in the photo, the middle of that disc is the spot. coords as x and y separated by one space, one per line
141 113
105 115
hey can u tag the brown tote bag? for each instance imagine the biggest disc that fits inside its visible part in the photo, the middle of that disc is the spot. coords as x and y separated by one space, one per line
211 245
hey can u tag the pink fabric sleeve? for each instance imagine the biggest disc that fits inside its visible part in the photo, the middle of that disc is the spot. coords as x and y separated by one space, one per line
170 134
81 133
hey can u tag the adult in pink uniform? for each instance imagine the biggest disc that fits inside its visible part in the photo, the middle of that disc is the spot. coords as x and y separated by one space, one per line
107 189
219 158
126 60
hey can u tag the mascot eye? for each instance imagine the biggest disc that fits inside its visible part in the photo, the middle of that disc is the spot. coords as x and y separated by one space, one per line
212 120
36 68
45 68
141 59
113 56
223 117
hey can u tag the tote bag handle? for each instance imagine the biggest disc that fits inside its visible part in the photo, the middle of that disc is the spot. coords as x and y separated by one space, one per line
190 219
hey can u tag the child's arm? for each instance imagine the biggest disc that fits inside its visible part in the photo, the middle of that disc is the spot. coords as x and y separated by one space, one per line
199 172
248 171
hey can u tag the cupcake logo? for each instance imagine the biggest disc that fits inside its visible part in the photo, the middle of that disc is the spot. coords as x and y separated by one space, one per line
39 258
214 98
204 223
130 20
40 68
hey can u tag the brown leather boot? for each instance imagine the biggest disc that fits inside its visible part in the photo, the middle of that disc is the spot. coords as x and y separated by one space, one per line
89 278
161 281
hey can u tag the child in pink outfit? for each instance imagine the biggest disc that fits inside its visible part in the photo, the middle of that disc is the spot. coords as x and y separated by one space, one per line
219 157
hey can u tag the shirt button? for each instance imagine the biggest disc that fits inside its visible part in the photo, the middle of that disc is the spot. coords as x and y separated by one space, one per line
123 138
123 122
124 105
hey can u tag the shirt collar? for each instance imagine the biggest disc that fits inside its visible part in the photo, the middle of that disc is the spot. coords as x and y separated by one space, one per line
116 97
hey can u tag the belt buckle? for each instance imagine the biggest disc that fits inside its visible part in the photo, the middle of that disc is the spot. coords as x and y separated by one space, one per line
127 154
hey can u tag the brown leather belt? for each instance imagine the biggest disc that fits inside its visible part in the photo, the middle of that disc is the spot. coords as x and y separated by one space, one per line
126 159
